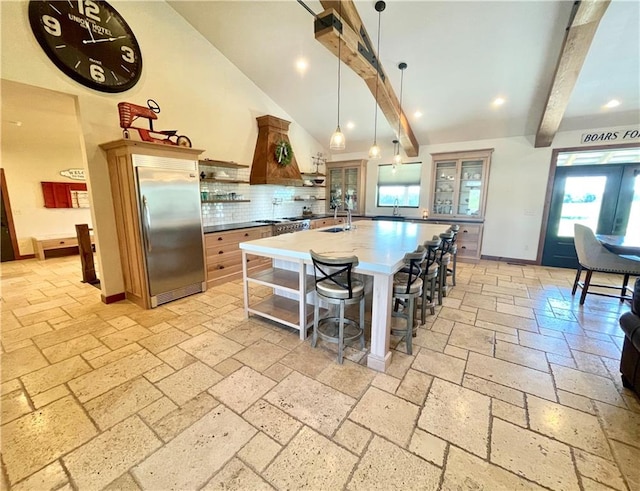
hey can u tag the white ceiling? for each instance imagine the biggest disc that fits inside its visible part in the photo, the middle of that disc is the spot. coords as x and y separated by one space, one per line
460 56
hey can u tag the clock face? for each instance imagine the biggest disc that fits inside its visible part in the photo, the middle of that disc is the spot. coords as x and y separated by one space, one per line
89 41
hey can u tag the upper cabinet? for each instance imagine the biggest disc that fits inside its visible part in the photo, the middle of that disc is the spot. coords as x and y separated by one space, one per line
459 184
346 185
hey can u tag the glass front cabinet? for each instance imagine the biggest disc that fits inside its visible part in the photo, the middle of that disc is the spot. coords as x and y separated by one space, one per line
346 186
459 184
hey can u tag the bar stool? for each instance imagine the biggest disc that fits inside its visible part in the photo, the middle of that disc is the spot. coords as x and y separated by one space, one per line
407 287
444 259
335 285
429 277
454 254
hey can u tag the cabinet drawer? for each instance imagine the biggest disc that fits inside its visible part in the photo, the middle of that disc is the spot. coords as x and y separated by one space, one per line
59 243
226 259
223 248
469 229
236 236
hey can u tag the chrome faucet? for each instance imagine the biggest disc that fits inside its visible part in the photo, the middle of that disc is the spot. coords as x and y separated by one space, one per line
396 210
348 227
336 205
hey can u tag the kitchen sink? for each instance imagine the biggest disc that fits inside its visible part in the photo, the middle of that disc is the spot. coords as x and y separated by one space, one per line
332 230
391 218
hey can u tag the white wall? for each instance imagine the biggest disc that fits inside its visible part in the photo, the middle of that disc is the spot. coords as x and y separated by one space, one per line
40 138
201 94
517 186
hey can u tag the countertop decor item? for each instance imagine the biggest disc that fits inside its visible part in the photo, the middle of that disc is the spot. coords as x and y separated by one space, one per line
89 42
130 112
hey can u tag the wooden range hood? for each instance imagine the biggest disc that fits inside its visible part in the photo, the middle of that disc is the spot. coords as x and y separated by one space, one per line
265 169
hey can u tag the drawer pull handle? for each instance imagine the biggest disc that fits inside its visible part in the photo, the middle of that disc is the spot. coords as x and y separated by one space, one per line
246 234
219 238
220 266
62 241
463 247
464 231
220 252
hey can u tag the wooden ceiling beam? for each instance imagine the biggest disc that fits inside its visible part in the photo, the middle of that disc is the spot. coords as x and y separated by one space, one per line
576 44
356 52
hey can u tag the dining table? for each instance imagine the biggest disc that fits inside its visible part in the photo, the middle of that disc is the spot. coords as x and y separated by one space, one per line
623 245
380 247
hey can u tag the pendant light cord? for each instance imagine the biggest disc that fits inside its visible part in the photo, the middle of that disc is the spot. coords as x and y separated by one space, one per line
339 60
400 115
375 118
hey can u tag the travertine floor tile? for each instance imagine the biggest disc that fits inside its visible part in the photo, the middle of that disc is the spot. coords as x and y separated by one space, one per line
14 405
298 467
535 457
176 358
386 466
103 459
67 349
21 362
386 382
274 422
599 469
620 424
353 437
508 320
307 360
511 375
428 447
567 425
439 365
386 415
628 458
157 410
472 338
51 477
313 403
586 384
242 388
105 357
195 454
509 412
350 378
173 423
105 378
414 386
522 356
261 355
211 348
458 415
492 389
123 483
39 438
122 402
235 476
53 375
545 343
259 451
187 383
466 471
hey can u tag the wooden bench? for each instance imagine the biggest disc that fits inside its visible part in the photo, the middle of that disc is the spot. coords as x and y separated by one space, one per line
52 242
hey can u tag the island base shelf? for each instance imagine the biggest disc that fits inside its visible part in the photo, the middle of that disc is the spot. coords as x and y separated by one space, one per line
282 279
284 311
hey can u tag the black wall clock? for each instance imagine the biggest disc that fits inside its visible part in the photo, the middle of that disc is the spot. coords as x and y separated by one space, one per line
89 41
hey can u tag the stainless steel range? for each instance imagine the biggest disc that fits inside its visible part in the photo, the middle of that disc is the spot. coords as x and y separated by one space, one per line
285 226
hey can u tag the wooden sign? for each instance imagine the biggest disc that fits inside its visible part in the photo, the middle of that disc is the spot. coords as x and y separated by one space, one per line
610 136
76 174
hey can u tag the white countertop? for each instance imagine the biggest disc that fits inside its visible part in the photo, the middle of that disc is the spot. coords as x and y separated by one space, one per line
379 245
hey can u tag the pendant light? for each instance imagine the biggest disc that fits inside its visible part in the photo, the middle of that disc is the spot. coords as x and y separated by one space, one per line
397 158
337 139
374 151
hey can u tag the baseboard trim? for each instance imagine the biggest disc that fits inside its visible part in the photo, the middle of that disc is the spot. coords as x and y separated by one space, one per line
511 260
25 256
113 298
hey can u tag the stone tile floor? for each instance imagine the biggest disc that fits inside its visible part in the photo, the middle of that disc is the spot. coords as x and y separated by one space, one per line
512 385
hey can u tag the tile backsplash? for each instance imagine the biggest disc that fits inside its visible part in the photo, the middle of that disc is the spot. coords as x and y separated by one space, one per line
265 201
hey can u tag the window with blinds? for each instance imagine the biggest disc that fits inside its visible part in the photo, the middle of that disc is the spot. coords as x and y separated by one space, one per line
399 185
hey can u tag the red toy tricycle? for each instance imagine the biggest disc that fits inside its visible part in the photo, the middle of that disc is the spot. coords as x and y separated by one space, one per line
130 112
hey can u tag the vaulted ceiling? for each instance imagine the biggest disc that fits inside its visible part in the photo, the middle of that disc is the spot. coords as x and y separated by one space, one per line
461 56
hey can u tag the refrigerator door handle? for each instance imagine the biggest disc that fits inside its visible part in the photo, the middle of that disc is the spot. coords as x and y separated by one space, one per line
146 223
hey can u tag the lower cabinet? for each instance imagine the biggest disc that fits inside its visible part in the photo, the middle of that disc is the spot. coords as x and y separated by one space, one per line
224 258
325 222
469 239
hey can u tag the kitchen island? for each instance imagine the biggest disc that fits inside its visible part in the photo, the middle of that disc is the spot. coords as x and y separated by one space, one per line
380 247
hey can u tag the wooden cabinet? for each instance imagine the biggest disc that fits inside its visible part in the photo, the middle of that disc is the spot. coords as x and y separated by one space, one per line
325 222
346 184
469 239
459 184
224 258
120 156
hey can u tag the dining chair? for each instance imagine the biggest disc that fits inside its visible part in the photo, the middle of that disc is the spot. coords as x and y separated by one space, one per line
335 285
445 258
407 288
429 278
594 257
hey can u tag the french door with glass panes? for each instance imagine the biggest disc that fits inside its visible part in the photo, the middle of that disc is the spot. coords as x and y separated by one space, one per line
605 198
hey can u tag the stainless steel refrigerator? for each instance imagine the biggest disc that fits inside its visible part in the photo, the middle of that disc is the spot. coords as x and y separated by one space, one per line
168 192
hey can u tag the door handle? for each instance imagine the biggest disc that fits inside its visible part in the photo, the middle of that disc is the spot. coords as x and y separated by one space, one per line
146 223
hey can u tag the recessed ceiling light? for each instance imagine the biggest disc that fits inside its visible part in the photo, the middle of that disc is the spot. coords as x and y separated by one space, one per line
612 103
302 65
350 125
498 101
417 114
